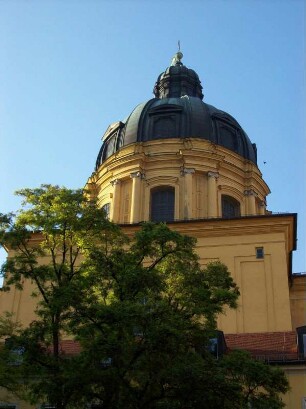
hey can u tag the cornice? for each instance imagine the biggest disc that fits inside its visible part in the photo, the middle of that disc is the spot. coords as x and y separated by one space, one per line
246 225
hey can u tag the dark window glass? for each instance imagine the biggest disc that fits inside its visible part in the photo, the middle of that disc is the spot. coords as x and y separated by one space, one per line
230 207
217 345
106 209
162 204
110 147
260 252
301 337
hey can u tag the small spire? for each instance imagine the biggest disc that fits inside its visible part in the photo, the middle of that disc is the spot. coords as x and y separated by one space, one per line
176 60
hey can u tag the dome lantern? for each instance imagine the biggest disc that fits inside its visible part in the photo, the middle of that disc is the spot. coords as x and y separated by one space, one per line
178 81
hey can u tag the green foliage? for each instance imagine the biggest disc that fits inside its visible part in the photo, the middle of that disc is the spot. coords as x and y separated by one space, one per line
258 384
142 309
46 239
8 326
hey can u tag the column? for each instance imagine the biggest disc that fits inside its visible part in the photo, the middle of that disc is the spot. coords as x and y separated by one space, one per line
188 194
136 198
212 194
251 202
262 207
115 208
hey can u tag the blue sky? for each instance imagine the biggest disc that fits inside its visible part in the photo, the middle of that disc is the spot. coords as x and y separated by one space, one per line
70 68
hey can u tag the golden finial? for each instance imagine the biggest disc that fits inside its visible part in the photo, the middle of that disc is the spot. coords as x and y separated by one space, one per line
176 60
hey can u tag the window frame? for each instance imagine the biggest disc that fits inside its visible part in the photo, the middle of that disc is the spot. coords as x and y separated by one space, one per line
106 207
260 253
230 200
159 189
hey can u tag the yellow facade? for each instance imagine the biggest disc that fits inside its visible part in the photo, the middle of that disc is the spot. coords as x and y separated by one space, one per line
264 304
298 300
296 397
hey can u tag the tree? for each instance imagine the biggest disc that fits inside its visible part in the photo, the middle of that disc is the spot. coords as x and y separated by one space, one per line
45 239
141 307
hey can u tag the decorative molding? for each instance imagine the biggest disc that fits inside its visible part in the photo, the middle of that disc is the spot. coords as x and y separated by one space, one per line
115 182
250 192
187 142
187 171
213 174
162 180
231 191
137 174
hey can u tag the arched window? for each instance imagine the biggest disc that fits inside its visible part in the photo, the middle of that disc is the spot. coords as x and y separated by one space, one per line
162 204
230 207
106 209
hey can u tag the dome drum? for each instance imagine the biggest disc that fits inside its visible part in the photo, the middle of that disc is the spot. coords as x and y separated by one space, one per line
200 172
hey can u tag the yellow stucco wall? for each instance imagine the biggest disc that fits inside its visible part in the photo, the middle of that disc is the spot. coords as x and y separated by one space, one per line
264 303
22 303
264 300
297 378
298 301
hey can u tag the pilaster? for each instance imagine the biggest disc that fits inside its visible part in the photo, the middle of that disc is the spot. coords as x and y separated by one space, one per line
212 194
251 202
188 198
136 198
115 209
262 207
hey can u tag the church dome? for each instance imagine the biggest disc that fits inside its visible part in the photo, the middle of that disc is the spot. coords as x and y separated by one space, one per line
177 111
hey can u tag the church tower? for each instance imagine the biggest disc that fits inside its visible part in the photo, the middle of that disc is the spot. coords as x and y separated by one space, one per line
179 160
